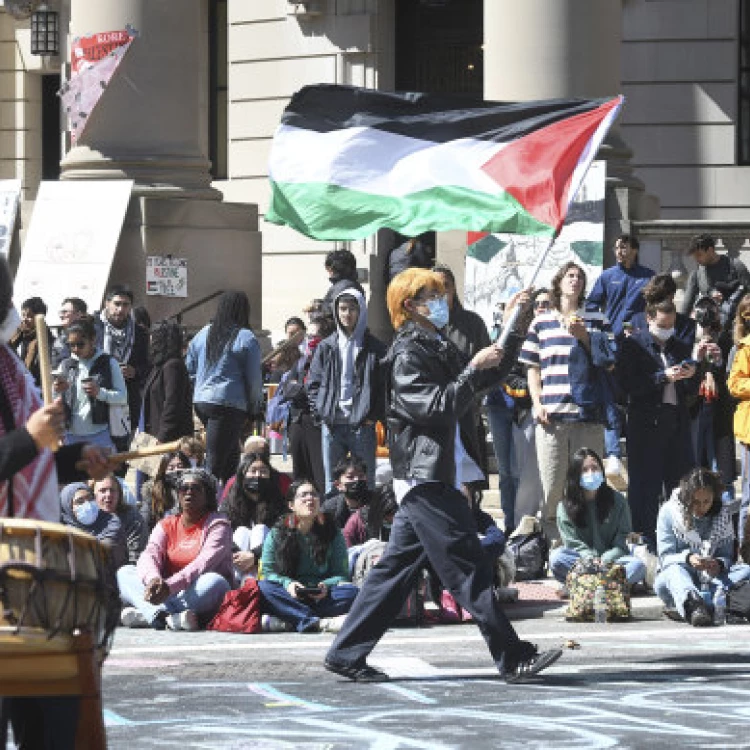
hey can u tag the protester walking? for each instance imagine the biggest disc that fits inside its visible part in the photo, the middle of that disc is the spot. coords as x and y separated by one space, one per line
431 387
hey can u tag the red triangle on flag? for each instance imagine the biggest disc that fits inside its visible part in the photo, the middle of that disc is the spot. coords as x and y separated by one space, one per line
537 169
473 237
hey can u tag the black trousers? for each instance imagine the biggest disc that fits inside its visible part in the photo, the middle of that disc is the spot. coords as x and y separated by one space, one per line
305 447
660 453
40 723
223 432
434 524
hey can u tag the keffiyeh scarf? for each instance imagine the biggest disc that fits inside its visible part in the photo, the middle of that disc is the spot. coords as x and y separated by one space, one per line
118 341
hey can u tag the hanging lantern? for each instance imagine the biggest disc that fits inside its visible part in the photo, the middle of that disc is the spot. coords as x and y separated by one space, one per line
45 31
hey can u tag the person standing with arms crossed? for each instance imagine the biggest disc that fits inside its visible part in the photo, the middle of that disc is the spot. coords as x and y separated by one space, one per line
430 386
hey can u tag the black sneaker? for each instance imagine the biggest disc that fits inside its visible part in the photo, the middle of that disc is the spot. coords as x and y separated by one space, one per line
528 668
696 611
358 673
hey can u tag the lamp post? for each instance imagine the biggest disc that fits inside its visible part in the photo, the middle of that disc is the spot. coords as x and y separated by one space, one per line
45 31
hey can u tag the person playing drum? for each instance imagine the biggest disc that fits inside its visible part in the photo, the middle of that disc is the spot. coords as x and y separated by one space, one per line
29 476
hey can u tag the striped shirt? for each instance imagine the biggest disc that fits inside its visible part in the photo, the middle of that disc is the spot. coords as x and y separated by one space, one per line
548 346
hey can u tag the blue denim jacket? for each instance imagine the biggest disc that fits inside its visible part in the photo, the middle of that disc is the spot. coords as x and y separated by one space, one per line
234 379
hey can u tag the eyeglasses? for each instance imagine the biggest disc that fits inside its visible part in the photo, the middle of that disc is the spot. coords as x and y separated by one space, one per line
542 304
192 487
78 344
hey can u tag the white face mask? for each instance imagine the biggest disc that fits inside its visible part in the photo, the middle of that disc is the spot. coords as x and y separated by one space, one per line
9 325
87 512
663 334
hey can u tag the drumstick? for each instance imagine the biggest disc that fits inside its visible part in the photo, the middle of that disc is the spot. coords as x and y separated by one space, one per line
294 341
151 450
45 367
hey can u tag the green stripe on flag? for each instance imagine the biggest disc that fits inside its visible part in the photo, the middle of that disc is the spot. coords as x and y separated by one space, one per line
486 249
329 212
590 252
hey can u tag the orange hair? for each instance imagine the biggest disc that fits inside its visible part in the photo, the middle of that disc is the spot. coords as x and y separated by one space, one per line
408 285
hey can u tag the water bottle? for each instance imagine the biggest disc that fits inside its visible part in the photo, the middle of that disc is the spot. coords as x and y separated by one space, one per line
720 606
600 604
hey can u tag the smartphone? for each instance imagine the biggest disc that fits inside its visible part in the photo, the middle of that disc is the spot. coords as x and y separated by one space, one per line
308 591
688 363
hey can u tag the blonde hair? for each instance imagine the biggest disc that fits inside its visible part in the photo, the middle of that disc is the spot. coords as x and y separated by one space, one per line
742 319
408 285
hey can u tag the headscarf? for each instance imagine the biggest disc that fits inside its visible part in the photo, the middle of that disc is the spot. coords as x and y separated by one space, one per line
107 526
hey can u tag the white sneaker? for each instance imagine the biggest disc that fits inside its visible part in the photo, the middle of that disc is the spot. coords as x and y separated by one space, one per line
273 624
130 617
613 466
332 624
186 620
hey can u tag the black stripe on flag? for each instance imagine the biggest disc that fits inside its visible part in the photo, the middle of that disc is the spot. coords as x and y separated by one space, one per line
429 117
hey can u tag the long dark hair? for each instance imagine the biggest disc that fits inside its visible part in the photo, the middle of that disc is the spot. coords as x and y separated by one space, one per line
382 504
288 548
555 292
243 510
166 342
574 501
232 314
699 478
164 496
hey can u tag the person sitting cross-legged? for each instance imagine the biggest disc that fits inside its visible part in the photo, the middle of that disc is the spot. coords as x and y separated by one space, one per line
304 566
594 521
186 568
695 542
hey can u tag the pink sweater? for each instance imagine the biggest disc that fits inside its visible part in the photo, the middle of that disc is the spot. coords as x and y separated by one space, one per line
215 555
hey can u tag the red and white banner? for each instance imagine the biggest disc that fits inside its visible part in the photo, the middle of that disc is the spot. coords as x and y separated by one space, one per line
94 60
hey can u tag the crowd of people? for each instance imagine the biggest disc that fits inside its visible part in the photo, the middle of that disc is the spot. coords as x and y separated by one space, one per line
587 382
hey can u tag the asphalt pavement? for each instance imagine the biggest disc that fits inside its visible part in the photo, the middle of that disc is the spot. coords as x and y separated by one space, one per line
648 683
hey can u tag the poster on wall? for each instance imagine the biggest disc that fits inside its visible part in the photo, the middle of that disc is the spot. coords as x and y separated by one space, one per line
499 265
10 200
166 276
93 61
71 242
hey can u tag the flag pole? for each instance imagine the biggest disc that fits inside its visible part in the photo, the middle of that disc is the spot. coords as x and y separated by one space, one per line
510 325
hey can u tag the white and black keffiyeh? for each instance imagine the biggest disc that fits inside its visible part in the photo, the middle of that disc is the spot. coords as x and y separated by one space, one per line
721 528
118 341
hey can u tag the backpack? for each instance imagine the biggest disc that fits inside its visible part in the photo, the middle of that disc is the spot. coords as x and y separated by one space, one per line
412 611
239 611
530 553
738 600
582 581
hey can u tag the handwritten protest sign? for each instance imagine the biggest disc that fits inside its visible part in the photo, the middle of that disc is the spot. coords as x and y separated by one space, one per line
166 276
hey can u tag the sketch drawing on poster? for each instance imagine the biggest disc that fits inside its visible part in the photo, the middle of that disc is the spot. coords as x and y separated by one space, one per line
499 265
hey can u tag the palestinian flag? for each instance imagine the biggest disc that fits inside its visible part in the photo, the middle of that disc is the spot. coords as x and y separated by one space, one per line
347 162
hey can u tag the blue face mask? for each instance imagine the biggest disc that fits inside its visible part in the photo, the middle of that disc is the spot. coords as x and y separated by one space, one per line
592 480
439 312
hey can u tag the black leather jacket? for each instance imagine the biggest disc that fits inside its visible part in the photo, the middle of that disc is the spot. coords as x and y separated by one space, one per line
430 390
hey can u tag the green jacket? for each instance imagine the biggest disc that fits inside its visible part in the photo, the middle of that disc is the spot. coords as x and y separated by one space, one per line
607 540
334 571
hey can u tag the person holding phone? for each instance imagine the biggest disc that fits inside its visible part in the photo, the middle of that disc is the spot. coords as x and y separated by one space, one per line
696 543
304 566
657 374
90 381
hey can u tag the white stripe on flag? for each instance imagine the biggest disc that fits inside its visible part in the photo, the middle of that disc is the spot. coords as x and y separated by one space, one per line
380 163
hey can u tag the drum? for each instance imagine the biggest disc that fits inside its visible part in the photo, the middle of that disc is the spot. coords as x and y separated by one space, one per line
55 582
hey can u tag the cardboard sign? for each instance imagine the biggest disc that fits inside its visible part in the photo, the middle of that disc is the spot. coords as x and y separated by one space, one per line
166 276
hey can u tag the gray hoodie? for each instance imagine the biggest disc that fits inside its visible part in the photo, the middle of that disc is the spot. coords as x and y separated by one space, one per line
349 347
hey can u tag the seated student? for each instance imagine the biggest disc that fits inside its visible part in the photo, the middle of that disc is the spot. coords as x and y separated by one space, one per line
593 520
110 497
352 492
305 550
253 507
185 570
159 495
259 444
695 543
80 510
372 521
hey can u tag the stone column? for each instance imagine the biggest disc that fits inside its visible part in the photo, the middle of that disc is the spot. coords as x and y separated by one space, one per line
150 124
542 49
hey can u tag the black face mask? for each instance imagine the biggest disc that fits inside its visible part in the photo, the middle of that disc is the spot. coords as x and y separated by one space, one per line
257 485
356 490
334 278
